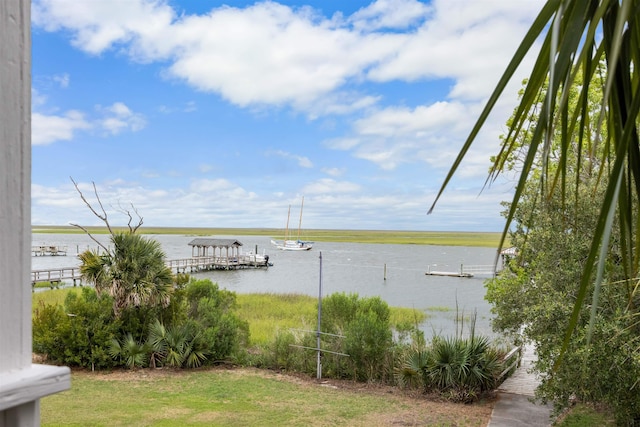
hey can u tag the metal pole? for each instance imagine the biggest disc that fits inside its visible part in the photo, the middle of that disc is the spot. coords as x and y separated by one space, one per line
319 362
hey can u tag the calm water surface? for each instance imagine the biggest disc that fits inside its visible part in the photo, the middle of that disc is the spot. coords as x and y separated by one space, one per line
346 267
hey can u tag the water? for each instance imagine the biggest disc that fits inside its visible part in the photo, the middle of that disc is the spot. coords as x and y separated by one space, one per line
346 267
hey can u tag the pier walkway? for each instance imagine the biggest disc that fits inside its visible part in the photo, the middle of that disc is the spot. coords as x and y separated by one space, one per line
183 265
515 405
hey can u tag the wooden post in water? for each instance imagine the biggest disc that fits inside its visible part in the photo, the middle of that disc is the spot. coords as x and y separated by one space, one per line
385 271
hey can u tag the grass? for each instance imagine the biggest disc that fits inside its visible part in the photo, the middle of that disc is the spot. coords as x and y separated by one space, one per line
585 416
242 397
352 236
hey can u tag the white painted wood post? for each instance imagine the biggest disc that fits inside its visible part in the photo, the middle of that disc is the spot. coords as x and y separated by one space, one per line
22 383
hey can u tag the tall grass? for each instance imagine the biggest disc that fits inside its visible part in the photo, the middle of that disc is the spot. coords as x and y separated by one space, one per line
52 296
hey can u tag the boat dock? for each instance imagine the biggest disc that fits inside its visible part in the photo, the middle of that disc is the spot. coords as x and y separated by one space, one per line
55 276
48 250
196 264
465 271
206 254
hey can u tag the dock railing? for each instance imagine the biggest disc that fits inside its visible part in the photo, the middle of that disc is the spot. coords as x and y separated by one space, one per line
56 275
478 270
511 361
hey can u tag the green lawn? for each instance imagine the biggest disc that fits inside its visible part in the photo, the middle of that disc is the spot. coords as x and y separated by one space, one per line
241 397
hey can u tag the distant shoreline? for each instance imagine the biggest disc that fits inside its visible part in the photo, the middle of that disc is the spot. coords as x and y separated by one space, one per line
443 238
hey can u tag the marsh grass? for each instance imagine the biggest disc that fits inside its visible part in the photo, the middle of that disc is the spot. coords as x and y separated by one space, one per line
440 308
269 313
52 296
352 236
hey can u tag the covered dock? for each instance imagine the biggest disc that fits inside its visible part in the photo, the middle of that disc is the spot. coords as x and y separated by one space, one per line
211 253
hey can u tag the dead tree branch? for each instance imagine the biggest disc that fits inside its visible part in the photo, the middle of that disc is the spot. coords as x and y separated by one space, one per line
128 213
103 217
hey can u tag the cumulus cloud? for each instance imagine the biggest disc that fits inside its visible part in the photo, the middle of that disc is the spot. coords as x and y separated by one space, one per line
396 135
46 129
303 162
390 14
330 186
118 117
300 58
50 128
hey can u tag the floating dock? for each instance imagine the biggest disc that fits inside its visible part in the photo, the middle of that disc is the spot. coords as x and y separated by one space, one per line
448 273
465 271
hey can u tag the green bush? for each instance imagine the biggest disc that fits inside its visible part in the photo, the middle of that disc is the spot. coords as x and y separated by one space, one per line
212 312
79 333
367 341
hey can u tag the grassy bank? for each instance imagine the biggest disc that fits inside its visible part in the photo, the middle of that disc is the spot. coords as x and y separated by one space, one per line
352 236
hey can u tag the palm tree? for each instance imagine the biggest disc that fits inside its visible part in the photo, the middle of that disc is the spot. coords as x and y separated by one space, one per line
133 272
578 37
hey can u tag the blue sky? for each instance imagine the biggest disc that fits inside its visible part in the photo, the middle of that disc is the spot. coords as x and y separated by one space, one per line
222 114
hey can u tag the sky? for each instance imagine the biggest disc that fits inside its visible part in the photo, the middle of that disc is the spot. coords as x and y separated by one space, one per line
198 113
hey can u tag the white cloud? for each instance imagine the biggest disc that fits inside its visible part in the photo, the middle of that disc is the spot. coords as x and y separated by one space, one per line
50 128
299 58
303 162
389 14
118 117
62 80
46 129
333 171
97 25
469 42
330 186
397 135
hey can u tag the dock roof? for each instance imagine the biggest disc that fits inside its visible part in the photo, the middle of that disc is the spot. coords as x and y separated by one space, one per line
216 243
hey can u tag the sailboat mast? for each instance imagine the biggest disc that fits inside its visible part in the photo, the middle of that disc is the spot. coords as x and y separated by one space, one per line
300 222
286 230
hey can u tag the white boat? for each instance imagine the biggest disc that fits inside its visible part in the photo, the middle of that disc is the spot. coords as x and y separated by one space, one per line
292 245
289 244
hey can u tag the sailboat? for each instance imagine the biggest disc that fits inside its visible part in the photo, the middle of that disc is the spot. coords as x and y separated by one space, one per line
289 244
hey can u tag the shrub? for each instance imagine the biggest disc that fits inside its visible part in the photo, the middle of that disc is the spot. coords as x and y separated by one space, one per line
79 333
211 310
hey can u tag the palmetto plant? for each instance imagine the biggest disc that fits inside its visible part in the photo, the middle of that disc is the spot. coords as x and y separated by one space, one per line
133 272
132 353
176 346
578 37
459 367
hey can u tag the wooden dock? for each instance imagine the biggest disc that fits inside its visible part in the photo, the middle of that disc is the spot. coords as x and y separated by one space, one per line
56 276
465 271
523 381
48 250
195 264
